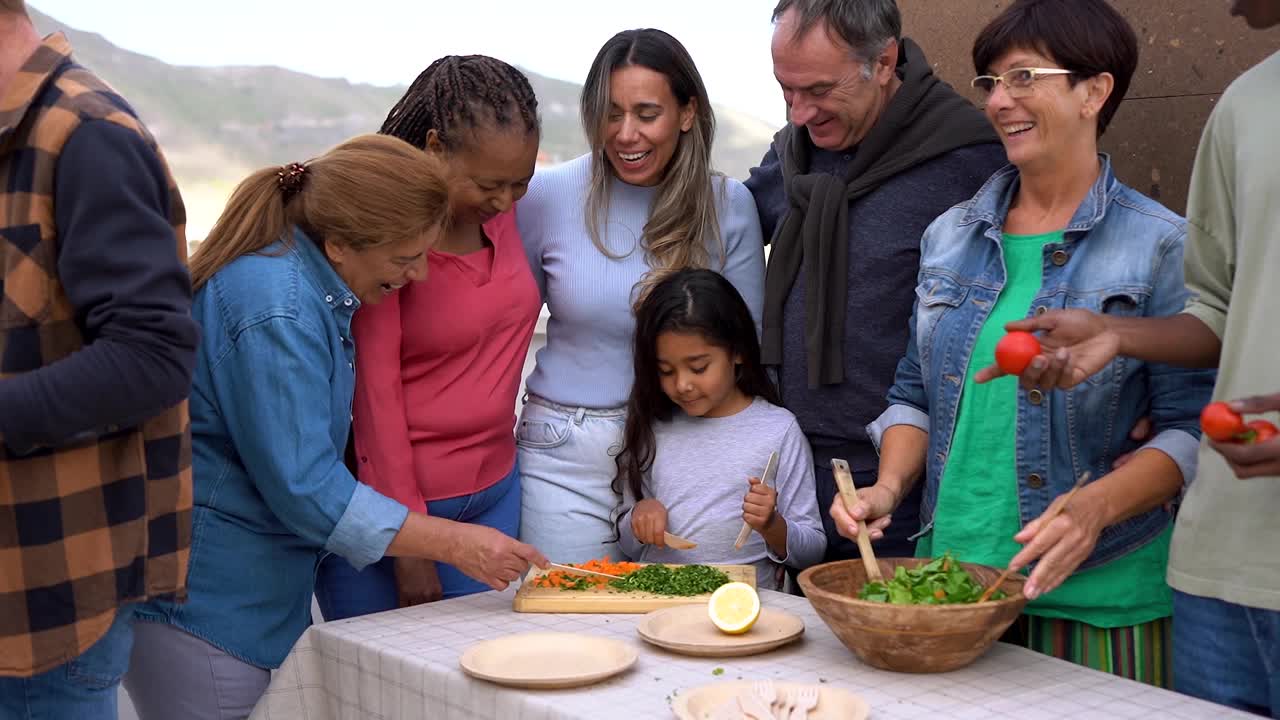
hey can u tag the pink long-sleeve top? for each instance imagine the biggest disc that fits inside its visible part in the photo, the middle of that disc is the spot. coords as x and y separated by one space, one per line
438 366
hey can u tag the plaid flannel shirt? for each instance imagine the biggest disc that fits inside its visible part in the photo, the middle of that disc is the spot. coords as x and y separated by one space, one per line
102 520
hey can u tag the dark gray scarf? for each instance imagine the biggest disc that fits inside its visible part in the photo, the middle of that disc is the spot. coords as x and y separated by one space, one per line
924 119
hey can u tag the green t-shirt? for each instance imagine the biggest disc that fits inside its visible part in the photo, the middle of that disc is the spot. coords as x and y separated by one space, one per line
977 509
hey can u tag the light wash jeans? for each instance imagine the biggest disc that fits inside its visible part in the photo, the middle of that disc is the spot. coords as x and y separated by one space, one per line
568 505
83 689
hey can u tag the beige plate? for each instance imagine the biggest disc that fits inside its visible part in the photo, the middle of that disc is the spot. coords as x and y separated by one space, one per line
547 660
689 631
833 703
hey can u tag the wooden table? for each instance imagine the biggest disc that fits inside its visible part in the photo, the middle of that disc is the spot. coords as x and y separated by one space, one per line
403 665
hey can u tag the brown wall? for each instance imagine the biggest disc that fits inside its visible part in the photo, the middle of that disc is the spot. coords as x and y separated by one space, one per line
1191 50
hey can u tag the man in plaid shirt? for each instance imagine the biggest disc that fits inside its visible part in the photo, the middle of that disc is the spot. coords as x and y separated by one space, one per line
97 347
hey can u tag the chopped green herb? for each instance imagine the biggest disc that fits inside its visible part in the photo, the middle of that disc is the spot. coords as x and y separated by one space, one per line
685 580
718 671
939 582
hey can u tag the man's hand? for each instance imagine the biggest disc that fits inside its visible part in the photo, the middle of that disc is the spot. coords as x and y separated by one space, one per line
491 557
1257 460
417 581
649 522
1075 345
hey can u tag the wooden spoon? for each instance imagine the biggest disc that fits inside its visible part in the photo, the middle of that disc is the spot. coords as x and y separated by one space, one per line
844 481
675 542
986 594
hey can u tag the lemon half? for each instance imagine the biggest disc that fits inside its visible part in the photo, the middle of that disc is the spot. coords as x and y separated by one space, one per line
734 607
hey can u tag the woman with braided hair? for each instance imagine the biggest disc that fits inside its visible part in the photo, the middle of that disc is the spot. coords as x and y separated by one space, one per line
599 231
439 364
298 251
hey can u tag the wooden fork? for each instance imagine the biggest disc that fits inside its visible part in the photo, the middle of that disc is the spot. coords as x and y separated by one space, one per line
805 699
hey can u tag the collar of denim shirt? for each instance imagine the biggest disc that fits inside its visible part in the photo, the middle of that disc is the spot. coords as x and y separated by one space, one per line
992 201
322 273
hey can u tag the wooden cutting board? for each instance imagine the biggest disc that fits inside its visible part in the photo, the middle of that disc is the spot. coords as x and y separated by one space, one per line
531 599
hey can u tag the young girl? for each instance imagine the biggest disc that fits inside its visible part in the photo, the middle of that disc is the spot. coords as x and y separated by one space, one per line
702 419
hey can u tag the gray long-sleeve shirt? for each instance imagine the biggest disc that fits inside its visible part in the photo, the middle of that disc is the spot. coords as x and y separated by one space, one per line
700 473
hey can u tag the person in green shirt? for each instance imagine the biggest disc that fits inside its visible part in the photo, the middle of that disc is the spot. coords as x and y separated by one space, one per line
1055 230
1222 566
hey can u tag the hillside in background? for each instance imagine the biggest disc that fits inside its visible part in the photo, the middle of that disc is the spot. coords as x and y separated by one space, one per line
217 124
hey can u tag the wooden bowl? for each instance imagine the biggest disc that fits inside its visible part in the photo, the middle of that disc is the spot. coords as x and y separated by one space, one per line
910 638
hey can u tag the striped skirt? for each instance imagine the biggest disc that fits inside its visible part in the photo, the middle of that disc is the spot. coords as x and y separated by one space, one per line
1137 652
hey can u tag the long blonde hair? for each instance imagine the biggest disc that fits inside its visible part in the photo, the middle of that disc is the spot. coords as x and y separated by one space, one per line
370 190
682 223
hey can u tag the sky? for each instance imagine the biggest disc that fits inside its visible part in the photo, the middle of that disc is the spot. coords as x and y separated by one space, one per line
388 42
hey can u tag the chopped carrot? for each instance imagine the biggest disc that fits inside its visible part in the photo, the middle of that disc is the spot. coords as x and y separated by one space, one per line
566 580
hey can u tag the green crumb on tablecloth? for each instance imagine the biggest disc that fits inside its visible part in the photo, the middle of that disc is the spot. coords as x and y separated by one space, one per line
718 671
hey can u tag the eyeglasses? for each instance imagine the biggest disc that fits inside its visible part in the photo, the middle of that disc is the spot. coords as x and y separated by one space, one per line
1017 82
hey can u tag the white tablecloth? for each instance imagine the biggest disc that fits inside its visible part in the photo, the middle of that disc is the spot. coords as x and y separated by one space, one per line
403 665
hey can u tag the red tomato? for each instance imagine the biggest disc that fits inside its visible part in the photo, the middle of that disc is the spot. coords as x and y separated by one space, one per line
1262 430
1221 423
1015 351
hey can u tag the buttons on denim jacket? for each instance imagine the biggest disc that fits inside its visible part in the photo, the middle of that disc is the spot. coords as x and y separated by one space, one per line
1034 481
1059 257
1041 310
328 298
1035 397
347 302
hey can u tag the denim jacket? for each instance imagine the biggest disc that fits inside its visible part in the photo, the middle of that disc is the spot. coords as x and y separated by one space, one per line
1121 255
270 416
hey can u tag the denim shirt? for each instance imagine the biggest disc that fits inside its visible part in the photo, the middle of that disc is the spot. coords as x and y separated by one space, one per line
1121 255
270 416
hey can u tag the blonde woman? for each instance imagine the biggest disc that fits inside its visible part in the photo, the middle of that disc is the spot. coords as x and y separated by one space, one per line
297 252
598 231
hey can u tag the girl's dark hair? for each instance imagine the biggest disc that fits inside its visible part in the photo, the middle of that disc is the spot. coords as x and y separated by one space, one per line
458 93
1087 37
685 301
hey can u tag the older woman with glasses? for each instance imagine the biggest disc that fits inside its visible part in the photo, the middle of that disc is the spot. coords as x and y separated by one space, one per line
1054 230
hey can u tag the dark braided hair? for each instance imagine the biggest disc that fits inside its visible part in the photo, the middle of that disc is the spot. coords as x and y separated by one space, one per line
459 92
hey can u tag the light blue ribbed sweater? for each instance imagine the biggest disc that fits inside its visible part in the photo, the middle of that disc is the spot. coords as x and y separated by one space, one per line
587 358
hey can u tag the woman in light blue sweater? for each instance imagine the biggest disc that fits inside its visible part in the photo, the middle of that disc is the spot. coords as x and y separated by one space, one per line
599 230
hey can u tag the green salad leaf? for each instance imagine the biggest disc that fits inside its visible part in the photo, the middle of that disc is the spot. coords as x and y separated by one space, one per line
941 581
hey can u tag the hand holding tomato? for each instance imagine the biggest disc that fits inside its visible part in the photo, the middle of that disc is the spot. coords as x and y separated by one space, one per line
1257 452
1074 345
1223 424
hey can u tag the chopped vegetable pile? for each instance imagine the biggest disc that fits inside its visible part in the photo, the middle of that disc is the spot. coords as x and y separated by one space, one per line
567 580
682 580
940 582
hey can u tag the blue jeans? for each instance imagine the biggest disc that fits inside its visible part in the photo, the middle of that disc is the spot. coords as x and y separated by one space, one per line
84 688
1227 653
567 457
343 592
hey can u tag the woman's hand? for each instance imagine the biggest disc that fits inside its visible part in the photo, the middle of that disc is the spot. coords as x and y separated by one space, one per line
759 505
489 556
1061 544
417 581
875 506
649 522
